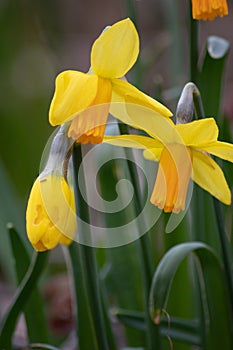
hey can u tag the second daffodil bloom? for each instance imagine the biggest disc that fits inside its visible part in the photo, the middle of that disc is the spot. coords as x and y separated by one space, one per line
209 9
183 152
50 217
83 99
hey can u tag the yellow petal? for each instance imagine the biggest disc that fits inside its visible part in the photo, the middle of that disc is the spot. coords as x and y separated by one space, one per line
208 175
41 233
198 132
116 50
220 149
74 92
152 148
126 92
143 118
132 141
49 213
153 153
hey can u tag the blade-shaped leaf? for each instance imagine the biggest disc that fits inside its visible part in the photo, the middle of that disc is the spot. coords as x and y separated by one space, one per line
36 326
22 294
10 211
218 332
211 73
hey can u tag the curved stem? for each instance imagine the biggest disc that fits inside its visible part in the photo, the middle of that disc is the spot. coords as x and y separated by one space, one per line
152 330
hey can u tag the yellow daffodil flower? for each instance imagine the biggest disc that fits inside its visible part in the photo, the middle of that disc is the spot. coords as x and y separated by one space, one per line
50 217
209 9
113 54
182 152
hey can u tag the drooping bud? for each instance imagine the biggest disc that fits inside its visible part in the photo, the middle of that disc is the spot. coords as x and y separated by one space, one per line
50 216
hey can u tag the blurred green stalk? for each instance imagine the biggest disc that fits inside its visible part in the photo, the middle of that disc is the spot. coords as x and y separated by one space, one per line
84 263
193 42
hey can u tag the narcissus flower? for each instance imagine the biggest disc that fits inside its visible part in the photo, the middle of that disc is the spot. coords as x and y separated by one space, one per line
50 217
209 9
112 55
182 152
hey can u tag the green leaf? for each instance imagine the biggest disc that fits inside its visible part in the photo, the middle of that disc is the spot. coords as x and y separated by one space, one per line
20 255
211 74
135 319
36 326
22 294
218 332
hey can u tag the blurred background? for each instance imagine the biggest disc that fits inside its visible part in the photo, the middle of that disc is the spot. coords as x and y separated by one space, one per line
39 39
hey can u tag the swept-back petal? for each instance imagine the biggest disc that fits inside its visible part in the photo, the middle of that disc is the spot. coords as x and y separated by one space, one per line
74 92
135 108
126 92
198 132
143 118
220 149
116 50
208 175
133 141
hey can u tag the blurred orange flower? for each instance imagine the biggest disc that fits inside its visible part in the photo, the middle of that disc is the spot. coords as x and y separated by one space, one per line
209 9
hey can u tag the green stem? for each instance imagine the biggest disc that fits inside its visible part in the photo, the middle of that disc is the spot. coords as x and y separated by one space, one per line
152 330
20 299
86 259
193 48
